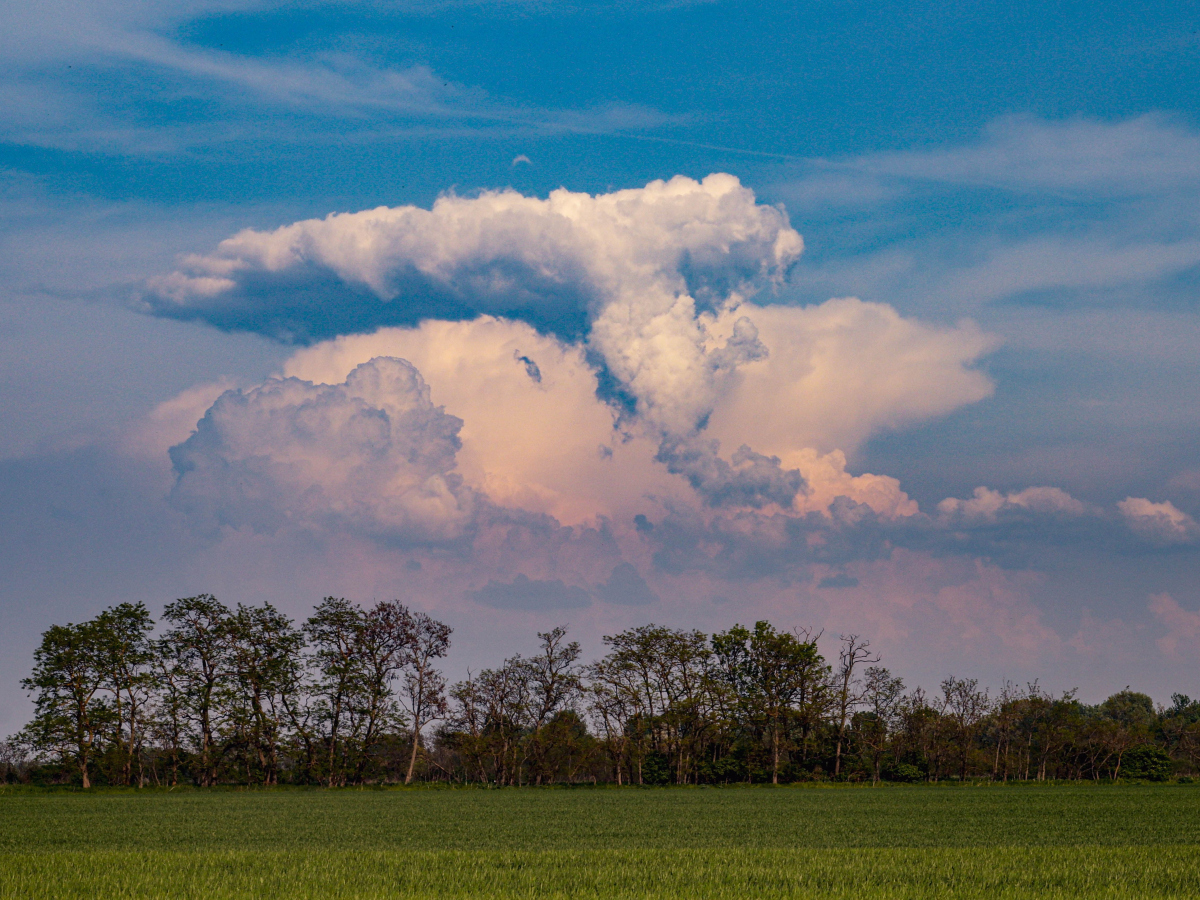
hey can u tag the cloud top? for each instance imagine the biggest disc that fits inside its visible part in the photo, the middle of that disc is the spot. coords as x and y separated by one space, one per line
634 271
1162 522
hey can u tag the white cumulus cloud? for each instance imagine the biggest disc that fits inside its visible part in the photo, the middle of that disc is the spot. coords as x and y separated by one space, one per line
836 373
535 434
987 505
536 323
1159 521
372 455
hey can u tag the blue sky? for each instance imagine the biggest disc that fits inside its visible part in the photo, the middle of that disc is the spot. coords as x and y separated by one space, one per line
1035 171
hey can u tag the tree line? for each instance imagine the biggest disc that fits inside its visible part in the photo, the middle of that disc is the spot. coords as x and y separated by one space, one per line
355 696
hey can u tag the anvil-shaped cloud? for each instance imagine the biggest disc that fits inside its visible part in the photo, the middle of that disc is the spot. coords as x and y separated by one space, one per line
597 362
637 271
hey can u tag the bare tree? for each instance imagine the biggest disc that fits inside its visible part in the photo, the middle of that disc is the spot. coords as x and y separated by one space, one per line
610 707
424 686
966 706
554 683
846 689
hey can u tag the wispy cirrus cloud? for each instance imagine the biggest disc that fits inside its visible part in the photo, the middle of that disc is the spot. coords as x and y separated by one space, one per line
163 95
1075 211
1133 157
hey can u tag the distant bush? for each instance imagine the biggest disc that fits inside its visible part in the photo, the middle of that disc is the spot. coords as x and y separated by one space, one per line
904 773
656 769
1148 762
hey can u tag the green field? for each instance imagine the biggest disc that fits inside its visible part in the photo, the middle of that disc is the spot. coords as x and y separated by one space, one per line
894 842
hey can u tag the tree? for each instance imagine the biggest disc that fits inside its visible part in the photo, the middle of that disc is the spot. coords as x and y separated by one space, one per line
68 677
335 632
966 707
921 732
197 655
769 671
554 686
126 654
424 686
168 718
491 714
853 652
1128 716
662 678
610 706
385 634
246 696
197 652
267 673
14 761
883 696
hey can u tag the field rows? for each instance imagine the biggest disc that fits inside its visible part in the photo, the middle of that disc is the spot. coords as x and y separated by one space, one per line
884 873
1051 842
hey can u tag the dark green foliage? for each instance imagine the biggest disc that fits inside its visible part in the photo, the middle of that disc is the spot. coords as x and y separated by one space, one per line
905 773
655 769
1151 763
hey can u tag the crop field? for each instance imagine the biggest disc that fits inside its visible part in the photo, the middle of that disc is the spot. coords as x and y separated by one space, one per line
892 842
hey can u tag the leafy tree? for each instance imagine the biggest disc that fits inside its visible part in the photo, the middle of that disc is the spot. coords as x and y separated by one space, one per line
1125 721
385 635
267 674
71 715
1130 709
335 632
882 698
662 677
196 656
770 672
1149 762
246 696
126 653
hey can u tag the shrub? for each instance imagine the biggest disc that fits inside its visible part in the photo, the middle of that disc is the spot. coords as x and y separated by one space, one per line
1151 763
905 773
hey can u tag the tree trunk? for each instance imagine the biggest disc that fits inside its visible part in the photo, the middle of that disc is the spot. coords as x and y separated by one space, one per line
208 773
412 759
775 753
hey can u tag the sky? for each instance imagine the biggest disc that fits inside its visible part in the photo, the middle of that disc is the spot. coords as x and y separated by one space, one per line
874 318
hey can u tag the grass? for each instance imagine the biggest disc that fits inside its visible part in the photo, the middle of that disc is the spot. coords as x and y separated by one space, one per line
1051 841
